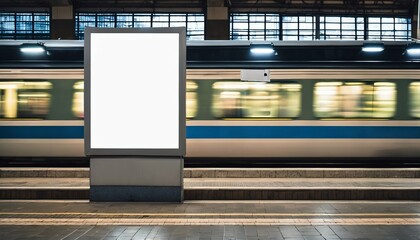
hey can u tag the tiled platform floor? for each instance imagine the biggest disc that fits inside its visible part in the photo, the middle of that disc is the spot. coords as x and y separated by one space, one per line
210 220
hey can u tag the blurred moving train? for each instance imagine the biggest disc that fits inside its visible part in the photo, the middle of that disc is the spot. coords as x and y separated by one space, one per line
355 108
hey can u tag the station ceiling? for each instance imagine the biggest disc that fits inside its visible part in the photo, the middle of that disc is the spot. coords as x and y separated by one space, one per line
380 7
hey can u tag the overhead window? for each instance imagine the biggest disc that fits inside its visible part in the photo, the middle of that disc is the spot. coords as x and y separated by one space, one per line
194 22
299 28
258 26
24 25
341 28
389 28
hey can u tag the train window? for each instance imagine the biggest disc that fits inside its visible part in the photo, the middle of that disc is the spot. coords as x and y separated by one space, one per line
24 99
191 99
78 99
354 99
256 100
415 99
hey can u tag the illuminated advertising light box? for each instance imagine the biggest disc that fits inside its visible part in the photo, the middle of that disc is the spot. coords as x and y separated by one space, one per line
135 91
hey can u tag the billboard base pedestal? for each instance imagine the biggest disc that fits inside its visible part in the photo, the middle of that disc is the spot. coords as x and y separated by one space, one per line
136 179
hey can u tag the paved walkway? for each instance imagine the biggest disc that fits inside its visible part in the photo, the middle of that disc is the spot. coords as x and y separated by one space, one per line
210 220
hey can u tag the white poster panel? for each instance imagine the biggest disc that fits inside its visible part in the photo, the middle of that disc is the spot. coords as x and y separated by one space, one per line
134 90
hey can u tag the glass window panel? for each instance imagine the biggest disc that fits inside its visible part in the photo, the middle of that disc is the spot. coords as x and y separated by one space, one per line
305 32
306 37
305 26
240 17
403 20
333 37
160 24
271 37
124 17
388 33
240 25
290 25
401 33
290 38
124 24
348 26
105 24
415 99
257 26
24 25
270 26
374 20
401 26
87 17
305 19
142 20
195 18
374 37
373 27
257 18
41 27
290 19
334 26
387 26
160 18
178 18
142 24
387 20
177 24
256 37
290 32
142 17
354 99
272 18
348 20
332 19
41 17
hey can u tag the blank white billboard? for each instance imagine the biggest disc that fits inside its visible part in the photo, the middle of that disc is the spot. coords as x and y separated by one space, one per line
135 89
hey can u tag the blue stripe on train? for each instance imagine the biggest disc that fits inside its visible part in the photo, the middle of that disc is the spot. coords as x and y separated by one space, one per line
199 132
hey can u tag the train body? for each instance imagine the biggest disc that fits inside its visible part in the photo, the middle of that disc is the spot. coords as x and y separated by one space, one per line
309 111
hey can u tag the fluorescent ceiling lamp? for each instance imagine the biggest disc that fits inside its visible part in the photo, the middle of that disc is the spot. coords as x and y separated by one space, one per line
413 48
262 49
32 48
373 47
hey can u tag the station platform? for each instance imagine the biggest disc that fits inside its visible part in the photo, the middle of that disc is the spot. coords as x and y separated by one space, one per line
233 184
210 220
